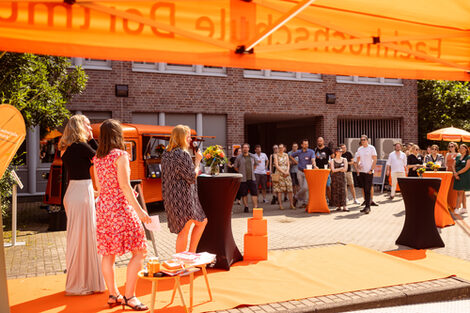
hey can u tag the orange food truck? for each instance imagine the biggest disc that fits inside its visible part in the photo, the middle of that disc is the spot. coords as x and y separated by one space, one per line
144 144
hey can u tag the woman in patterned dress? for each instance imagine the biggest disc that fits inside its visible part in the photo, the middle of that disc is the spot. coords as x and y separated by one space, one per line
281 163
339 166
118 215
179 190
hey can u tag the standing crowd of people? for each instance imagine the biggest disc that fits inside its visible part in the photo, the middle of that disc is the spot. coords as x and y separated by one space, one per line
285 171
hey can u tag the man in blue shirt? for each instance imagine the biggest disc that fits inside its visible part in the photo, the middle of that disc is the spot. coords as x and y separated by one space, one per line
306 156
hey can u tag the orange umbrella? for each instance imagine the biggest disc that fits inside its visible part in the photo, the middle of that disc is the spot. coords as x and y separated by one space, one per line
52 134
419 39
449 134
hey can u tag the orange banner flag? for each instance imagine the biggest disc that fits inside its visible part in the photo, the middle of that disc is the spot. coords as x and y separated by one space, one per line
12 134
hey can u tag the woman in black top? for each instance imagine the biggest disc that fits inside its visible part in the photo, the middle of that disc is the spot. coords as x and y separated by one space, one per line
83 264
414 161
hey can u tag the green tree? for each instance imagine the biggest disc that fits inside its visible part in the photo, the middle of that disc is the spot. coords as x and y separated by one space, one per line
442 104
39 86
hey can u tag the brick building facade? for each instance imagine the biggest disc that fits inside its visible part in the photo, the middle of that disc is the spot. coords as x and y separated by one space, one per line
236 105
247 101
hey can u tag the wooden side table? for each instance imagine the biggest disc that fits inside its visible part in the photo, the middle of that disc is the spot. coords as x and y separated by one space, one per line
177 286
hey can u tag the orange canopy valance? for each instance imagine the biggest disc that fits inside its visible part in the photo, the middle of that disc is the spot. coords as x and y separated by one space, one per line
400 38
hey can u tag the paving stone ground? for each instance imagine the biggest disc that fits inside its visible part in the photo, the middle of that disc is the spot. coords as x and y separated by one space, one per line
44 252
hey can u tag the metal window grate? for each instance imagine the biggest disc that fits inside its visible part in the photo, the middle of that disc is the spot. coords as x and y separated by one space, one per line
380 128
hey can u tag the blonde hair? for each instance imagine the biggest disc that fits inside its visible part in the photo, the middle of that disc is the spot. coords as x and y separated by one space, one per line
178 138
74 131
415 147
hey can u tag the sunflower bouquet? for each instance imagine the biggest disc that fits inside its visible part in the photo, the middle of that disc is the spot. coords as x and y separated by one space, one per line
420 171
214 156
435 167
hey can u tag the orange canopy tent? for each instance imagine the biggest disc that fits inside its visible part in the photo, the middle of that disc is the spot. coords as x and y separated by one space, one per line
449 134
427 39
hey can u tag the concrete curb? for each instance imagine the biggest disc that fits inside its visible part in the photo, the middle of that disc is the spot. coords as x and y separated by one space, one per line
445 289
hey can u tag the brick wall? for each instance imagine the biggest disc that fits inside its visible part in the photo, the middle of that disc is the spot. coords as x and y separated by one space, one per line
237 96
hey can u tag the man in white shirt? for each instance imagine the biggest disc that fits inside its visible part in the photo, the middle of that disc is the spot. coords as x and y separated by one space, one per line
261 160
366 160
396 165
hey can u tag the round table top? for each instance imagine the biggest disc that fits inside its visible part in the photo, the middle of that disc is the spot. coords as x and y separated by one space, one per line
317 169
221 175
419 178
190 270
141 275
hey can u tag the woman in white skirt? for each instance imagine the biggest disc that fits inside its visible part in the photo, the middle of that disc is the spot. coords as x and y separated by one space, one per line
83 263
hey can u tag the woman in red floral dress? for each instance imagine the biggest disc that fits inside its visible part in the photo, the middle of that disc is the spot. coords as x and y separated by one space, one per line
118 215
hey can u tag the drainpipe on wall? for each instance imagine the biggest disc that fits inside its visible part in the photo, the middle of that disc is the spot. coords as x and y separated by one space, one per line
32 157
199 127
161 122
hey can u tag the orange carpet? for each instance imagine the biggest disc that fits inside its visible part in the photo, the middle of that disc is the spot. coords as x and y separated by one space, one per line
433 260
287 275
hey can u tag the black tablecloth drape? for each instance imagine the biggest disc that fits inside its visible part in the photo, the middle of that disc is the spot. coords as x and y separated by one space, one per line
419 195
217 194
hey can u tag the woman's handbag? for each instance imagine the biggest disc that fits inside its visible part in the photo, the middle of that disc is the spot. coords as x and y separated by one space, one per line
275 177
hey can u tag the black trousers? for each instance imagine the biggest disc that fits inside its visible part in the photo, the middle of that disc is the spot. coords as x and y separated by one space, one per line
366 183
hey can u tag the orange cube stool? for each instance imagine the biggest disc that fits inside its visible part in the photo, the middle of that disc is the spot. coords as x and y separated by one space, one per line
257 227
256 240
256 247
257 213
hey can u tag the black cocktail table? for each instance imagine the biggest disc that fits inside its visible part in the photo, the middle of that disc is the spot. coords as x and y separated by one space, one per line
419 195
217 194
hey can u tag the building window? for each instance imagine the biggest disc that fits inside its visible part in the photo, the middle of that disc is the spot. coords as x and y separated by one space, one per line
173 68
92 64
270 74
373 128
97 117
369 80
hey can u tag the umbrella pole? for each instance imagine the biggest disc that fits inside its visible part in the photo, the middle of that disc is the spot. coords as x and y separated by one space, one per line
4 305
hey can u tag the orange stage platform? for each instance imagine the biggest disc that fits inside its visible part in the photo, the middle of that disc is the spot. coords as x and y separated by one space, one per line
287 275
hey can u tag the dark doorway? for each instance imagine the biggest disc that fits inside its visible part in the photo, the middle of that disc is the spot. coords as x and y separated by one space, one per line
268 130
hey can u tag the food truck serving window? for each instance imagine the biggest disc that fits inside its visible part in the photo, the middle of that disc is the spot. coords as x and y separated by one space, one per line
130 148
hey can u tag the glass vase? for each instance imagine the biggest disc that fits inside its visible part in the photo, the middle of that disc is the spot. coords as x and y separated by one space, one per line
215 170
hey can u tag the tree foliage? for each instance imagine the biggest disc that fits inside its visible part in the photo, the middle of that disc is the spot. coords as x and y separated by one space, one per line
442 104
39 87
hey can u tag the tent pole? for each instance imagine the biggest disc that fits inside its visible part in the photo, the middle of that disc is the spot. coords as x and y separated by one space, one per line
281 21
4 304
